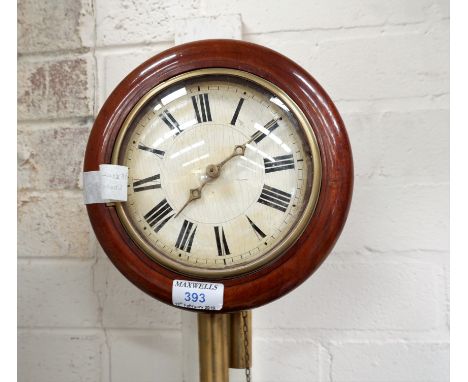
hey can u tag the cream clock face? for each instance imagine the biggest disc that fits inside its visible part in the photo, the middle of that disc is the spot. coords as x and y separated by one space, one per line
224 172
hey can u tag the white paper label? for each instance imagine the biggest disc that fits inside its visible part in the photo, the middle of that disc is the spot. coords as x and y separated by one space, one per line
109 184
114 182
197 295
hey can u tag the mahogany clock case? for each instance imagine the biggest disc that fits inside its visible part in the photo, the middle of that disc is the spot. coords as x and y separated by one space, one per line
275 279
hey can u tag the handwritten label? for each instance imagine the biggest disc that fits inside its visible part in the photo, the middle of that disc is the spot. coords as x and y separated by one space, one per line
197 295
106 185
113 182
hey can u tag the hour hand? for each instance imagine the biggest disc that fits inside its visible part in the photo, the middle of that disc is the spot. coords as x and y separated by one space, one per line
195 193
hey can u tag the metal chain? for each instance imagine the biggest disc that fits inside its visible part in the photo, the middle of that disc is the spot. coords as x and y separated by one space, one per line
248 376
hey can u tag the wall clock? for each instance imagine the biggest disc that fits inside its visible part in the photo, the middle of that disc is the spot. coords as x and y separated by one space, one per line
239 172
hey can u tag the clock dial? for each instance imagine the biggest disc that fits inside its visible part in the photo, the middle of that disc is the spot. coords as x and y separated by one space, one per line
224 173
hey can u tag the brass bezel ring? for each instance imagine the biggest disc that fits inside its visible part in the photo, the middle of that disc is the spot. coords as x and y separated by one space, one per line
278 249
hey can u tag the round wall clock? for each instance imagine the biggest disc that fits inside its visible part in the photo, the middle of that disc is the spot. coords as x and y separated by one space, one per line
239 172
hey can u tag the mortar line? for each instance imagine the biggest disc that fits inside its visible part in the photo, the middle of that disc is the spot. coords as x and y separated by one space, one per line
96 328
62 54
325 363
56 121
119 48
24 260
344 28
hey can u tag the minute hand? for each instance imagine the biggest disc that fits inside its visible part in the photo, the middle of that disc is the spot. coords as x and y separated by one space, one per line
213 170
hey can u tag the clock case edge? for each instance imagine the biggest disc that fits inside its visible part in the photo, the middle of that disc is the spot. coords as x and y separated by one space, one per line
310 250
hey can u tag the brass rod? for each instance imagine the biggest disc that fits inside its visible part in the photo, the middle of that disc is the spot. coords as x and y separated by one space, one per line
237 356
213 347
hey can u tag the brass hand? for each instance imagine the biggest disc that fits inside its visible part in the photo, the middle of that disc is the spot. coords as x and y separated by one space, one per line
195 193
212 171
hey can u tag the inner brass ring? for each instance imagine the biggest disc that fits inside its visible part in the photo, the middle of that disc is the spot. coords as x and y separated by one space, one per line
278 249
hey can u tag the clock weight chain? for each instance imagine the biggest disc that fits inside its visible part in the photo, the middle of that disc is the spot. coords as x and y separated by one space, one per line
225 341
247 334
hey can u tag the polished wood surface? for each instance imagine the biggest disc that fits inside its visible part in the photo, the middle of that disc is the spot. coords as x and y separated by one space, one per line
305 256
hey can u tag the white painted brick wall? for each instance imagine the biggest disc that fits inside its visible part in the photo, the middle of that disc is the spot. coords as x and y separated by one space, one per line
113 65
55 225
57 355
263 17
56 293
384 296
146 355
377 310
135 22
389 361
284 359
125 306
206 27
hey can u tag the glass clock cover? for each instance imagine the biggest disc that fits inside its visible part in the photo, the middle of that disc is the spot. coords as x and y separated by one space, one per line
224 172
240 172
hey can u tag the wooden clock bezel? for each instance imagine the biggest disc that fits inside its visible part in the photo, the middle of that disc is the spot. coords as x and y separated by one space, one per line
308 252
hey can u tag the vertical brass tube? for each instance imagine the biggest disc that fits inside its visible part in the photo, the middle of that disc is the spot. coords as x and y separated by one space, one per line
213 347
237 356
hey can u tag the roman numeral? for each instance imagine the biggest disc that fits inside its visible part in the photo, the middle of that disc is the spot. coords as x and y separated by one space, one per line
270 126
159 153
272 197
221 242
150 183
280 163
186 235
260 234
169 120
236 113
203 113
158 216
